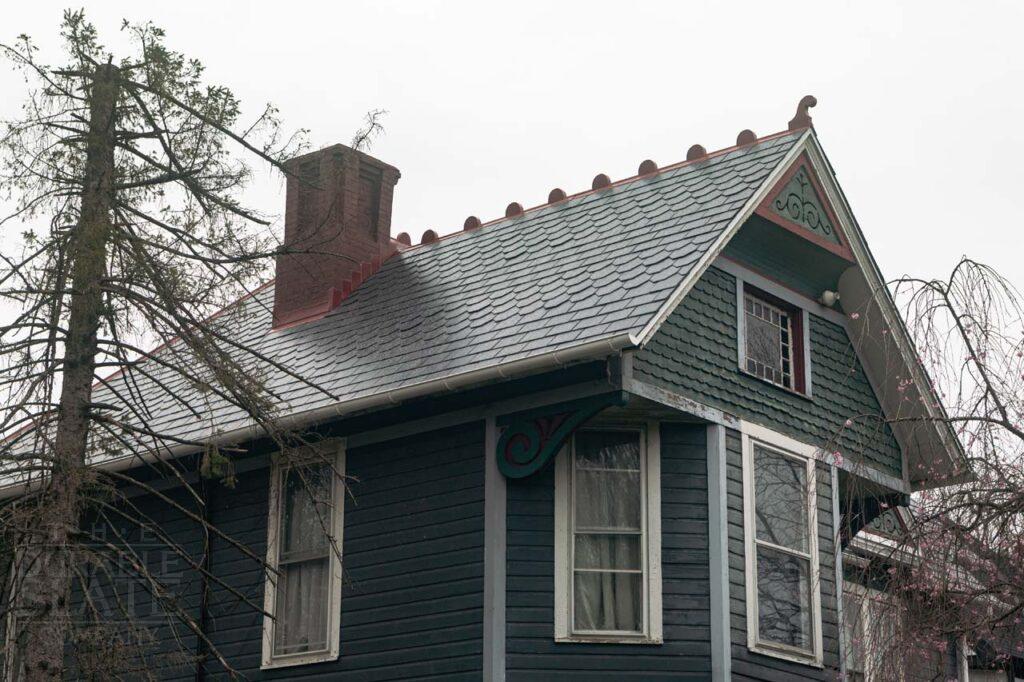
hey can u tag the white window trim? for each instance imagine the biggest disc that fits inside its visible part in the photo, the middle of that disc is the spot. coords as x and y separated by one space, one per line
650 453
756 435
331 653
741 329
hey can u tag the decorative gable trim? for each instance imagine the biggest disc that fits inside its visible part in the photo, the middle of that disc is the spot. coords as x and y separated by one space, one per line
798 203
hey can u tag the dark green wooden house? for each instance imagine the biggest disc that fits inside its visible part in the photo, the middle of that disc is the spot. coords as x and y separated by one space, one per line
623 435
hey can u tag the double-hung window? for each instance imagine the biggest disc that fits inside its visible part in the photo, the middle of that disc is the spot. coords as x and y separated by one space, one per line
303 590
607 527
783 597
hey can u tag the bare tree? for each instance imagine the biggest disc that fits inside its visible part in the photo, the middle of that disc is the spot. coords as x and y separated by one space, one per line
959 573
125 178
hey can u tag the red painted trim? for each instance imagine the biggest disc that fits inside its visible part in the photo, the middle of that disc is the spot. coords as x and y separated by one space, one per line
617 183
765 211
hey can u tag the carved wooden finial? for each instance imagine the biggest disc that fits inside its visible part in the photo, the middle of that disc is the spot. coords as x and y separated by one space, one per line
472 222
600 181
647 167
746 137
802 118
696 152
404 238
513 209
556 195
429 237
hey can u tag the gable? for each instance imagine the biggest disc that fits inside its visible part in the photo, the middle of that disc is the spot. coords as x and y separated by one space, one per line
909 405
797 203
694 354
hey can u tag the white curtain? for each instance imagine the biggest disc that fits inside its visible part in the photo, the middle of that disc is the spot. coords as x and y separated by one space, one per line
302 607
608 573
304 562
610 601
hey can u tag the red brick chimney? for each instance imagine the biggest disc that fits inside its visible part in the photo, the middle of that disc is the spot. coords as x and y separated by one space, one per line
337 230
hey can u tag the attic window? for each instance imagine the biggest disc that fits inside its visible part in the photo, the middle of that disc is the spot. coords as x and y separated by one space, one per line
772 346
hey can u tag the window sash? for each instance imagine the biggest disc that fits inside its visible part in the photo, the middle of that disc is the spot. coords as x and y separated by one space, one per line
753 448
784 374
576 530
278 653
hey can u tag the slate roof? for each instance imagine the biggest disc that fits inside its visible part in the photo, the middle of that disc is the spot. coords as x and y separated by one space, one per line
595 266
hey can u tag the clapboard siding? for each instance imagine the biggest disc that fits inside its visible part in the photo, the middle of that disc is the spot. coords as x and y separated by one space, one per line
695 354
412 597
164 646
532 653
747 665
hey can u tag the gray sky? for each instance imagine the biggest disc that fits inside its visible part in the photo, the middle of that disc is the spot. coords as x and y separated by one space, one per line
920 104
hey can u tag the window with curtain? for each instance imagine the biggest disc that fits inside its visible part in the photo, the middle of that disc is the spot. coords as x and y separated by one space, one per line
608 532
608 535
783 552
304 595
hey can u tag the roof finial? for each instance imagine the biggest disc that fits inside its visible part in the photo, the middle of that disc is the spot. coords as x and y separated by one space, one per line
514 209
429 237
556 195
600 181
472 222
746 137
403 238
696 152
802 118
647 167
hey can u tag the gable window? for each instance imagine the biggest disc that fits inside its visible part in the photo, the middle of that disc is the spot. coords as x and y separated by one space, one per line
607 528
772 344
783 599
304 538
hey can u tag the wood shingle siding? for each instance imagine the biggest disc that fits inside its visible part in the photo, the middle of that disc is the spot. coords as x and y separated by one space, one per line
695 354
748 665
532 652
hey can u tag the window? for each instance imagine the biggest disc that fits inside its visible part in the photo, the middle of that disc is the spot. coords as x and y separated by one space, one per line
772 340
607 535
783 598
303 592
870 635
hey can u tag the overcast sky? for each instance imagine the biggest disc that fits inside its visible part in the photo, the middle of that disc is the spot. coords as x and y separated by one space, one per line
921 105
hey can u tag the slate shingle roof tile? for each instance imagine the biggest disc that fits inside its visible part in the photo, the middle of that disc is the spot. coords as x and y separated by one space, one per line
594 266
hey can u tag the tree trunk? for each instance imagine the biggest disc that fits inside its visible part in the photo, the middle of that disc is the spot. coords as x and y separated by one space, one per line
49 552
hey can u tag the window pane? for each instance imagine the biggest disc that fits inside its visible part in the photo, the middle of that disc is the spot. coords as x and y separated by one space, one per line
768 333
780 500
301 610
307 511
853 629
608 551
783 598
608 499
608 450
608 601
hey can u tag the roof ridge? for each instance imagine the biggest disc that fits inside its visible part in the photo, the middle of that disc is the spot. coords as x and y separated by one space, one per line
695 155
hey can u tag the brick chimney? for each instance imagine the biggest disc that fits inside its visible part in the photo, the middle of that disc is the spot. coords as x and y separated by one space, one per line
337 230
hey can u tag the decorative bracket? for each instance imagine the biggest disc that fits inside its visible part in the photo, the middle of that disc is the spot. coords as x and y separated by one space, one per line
872 512
532 438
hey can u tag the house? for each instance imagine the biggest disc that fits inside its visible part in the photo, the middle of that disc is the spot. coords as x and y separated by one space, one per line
611 437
